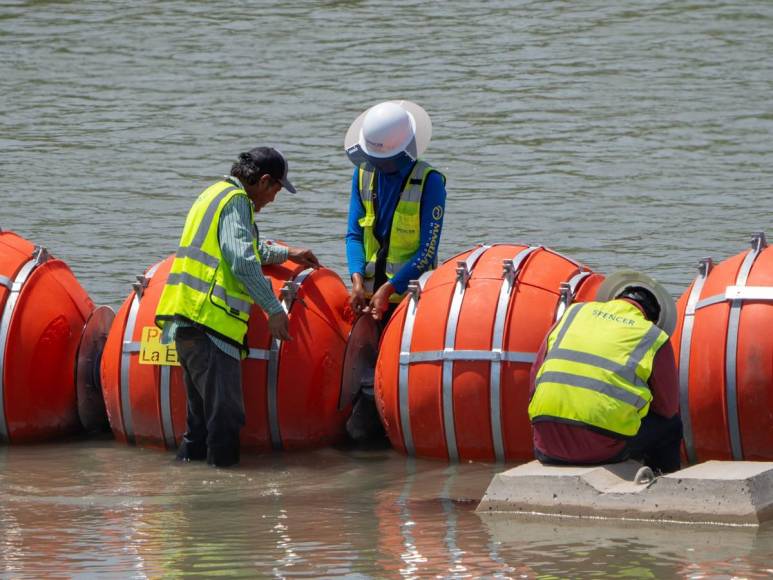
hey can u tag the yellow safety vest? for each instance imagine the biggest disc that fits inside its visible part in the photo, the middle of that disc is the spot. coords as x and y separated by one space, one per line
201 287
405 233
598 361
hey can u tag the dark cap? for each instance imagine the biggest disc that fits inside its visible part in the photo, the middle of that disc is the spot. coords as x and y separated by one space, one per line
272 162
643 298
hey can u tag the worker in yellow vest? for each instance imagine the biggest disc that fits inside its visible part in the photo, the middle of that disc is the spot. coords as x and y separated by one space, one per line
396 207
396 214
604 387
214 280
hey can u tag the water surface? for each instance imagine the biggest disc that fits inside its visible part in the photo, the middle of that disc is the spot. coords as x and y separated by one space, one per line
623 134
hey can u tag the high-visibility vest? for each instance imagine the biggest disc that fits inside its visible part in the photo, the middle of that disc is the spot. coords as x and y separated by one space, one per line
404 235
201 288
598 361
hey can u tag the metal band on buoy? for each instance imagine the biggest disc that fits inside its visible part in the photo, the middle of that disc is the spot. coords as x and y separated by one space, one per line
510 271
704 268
463 272
288 295
735 295
568 291
731 356
165 395
130 347
39 256
414 289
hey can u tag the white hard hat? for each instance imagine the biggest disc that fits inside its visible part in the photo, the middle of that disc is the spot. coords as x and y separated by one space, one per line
389 129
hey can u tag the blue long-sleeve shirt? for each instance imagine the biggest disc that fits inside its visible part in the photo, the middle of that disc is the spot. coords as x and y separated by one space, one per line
388 188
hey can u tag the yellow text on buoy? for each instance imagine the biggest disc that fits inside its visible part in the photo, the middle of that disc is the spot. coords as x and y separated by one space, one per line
152 352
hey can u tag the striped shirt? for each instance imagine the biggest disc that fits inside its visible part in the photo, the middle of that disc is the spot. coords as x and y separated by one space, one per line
236 232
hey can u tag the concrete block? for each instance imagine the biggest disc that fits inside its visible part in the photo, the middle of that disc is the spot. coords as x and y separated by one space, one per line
715 492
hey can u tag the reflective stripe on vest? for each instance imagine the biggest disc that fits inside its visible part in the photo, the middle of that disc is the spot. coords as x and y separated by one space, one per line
200 287
405 233
598 362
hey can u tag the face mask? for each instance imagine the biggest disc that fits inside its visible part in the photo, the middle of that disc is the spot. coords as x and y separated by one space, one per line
394 164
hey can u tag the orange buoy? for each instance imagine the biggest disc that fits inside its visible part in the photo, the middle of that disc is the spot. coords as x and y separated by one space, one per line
50 338
724 349
452 375
291 389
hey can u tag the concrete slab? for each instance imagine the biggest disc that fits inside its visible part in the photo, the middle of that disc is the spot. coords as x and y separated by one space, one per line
715 492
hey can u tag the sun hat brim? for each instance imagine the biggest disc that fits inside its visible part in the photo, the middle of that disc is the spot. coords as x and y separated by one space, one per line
421 121
618 281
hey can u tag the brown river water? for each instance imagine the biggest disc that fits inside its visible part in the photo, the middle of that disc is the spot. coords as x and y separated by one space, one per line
622 134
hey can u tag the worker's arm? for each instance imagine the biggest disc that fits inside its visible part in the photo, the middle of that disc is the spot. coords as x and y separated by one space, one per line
535 366
664 383
237 235
272 253
355 250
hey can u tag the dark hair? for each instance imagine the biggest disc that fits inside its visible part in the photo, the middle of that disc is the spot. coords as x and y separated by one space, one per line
645 299
252 164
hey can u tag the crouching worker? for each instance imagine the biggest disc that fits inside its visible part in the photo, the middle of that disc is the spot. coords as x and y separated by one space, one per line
215 279
604 387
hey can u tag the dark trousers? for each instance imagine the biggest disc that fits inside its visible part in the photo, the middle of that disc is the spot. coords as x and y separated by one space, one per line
213 382
658 442
657 445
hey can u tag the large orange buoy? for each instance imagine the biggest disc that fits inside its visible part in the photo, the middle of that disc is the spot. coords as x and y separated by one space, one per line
291 389
452 375
724 347
50 338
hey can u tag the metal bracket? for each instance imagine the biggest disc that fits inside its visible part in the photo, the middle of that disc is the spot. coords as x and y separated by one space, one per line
130 347
40 255
140 285
414 290
705 266
462 273
567 291
565 294
289 292
508 271
759 241
511 267
260 354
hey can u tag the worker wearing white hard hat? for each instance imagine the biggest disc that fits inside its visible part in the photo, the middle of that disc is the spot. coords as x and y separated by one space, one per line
604 386
395 220
397 204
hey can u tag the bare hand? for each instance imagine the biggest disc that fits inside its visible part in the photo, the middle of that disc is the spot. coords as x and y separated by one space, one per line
304 257
278 326
380 301
357 300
